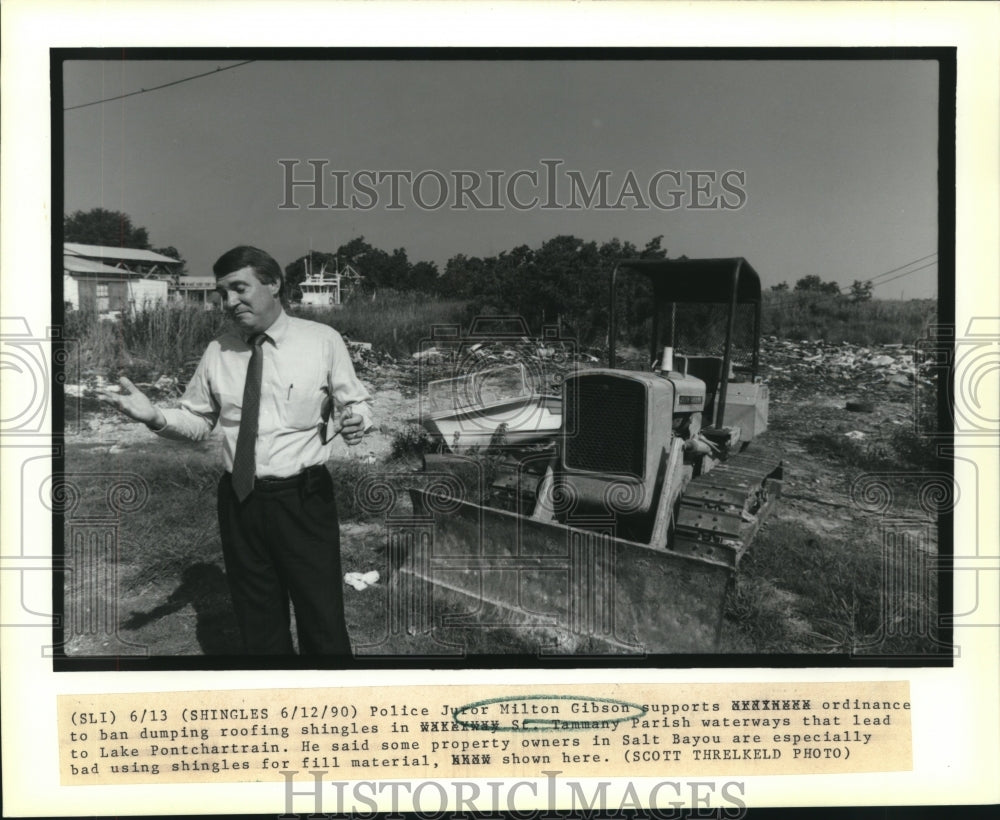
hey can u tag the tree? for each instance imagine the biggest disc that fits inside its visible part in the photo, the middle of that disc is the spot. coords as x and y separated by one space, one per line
423 277
861 291
781 286
99 226
654 249
633 292
564 280
816 285
379 269
461 276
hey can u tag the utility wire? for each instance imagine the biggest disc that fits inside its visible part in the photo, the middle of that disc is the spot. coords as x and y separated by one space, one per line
907 273
914 262
158 87
786 299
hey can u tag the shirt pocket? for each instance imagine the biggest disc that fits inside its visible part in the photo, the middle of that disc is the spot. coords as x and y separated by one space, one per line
300 396
301 413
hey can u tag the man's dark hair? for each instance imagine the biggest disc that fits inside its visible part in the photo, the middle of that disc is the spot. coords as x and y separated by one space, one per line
246 256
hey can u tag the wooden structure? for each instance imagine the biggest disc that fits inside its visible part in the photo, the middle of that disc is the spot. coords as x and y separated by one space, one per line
109 281
105 290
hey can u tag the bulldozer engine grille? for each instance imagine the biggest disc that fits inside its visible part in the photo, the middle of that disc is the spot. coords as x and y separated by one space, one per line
606 426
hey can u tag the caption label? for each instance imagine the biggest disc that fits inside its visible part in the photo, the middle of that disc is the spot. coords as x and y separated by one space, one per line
436 732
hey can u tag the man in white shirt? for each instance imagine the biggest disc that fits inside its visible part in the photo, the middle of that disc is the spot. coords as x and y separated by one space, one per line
271 383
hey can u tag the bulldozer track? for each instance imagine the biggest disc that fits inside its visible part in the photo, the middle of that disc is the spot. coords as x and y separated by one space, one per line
719 511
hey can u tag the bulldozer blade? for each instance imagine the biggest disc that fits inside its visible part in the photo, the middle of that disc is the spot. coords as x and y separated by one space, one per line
572 587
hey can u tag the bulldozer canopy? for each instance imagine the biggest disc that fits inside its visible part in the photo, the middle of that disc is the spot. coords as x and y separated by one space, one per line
699 280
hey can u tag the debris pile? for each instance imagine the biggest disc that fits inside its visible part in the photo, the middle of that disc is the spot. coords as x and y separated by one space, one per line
365 357
507 351
797 369
546 361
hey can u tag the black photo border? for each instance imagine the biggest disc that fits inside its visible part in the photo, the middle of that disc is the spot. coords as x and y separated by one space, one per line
946 59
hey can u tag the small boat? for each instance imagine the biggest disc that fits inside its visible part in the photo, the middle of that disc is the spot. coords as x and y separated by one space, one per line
491 407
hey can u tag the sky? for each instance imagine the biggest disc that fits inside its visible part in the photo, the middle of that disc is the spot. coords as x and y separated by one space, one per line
826 168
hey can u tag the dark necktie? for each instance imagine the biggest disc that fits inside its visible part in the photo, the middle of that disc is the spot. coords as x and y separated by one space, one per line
244 462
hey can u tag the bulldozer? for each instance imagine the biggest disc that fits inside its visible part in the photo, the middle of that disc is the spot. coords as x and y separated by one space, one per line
619 527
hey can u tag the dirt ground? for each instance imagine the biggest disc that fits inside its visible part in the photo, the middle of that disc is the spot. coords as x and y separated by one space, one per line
171 597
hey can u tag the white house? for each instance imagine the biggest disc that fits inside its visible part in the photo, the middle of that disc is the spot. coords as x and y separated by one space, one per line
89 283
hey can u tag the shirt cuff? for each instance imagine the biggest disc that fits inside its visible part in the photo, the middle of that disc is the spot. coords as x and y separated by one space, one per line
182 425
161 428
168 430
363 409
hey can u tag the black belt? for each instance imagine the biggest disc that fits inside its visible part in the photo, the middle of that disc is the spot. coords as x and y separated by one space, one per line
308 479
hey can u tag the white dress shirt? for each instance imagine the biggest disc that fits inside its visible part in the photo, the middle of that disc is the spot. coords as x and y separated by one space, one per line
306 365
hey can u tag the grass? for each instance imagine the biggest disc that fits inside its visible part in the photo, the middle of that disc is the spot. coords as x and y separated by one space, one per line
171 595
832 580
900 449
798 592
794 315
361 489
145 345
803 315
861 454
170 339
392 321
169 557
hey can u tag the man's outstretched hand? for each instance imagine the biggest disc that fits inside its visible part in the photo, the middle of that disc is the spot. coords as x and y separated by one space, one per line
133 403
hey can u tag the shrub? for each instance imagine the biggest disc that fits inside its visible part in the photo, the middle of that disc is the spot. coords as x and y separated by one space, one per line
412 440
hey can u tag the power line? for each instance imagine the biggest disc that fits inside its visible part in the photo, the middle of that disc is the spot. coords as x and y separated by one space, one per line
914 262
158 87
845 290
907 273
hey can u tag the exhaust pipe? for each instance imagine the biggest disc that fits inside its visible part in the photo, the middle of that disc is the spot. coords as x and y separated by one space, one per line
667 360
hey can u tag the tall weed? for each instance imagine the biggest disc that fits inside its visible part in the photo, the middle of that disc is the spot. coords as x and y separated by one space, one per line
392 321
805 315
168 338
165 339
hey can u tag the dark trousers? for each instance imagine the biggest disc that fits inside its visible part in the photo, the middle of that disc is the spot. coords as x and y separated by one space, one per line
284 541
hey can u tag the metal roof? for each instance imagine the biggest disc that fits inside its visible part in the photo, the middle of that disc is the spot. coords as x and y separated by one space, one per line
699 280
77 264
124 254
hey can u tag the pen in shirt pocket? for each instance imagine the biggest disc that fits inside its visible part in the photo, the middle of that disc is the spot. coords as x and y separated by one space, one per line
289 398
